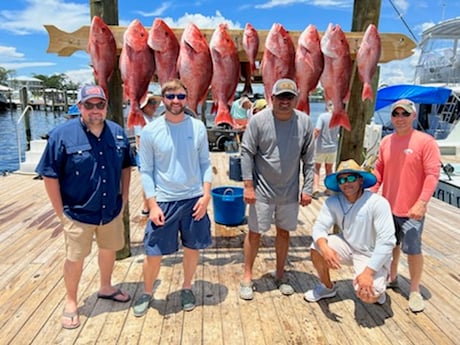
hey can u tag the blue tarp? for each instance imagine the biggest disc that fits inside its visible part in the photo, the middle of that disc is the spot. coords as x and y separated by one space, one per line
416 93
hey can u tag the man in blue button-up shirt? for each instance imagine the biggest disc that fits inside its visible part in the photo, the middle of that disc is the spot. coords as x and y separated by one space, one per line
86 168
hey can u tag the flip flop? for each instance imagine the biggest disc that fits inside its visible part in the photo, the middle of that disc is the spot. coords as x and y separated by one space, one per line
113 297
70 320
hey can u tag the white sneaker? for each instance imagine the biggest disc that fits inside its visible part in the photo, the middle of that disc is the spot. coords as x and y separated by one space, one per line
382 299
319 292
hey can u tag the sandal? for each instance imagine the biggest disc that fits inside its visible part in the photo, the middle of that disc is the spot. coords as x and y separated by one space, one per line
70 320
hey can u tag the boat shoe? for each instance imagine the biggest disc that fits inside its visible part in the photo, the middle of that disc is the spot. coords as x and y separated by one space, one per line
246 291
187 299
416 303
141 306
283 285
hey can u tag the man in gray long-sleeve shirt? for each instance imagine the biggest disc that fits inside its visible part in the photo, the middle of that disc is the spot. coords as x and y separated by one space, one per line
276 140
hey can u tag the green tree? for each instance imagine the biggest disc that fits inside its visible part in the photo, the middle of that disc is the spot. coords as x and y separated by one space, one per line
5 74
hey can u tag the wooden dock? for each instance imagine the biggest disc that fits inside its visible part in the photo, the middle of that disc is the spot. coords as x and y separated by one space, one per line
32 287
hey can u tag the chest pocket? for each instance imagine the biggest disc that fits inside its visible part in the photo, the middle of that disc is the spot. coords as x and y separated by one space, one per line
80 161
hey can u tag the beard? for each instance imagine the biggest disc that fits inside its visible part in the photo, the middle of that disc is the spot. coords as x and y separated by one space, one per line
175 109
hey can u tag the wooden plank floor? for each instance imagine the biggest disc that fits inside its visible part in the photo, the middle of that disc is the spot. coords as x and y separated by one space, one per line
32 288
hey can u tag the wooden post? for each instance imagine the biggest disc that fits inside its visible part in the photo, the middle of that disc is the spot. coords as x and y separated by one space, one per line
365 12
108 11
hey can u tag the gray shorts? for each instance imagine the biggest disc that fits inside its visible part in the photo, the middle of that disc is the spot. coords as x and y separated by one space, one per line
409 234
350 257
262 215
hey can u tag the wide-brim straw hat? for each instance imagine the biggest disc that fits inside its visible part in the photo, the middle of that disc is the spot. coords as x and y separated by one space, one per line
351 167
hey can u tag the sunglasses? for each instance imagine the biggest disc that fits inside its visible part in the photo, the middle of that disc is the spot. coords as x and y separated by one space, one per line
285 96
171 96
397 113
349 179
89 106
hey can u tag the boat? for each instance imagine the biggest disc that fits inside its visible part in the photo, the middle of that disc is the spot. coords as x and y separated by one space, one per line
3 102
436 92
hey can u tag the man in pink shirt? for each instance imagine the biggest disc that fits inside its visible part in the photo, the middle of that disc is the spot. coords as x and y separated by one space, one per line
408 168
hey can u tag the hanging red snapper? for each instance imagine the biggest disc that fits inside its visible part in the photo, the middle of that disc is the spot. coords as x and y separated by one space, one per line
251 45
102 49
165 45
309 63
336 75
194 65
137 66
367 59
226 72
279 58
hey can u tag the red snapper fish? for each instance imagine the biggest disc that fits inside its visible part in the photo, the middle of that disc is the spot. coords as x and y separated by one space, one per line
226 67
251 45
367 59
279 58
165 45
137 66
102 49
309 64
337 73
194 65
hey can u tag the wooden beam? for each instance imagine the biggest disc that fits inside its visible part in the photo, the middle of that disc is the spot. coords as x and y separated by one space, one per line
395 46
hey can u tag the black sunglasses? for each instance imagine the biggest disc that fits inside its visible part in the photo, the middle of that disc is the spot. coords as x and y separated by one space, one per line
283 96
171 96
349 178
89 106
395 113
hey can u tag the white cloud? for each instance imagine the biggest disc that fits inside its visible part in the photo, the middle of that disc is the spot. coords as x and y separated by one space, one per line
9 54
318 3
157 12
81 76
67 16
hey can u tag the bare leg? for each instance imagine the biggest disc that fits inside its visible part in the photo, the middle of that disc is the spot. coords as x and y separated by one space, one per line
316 177
415 263
151 269
395 262
190 263
321 267
72 275
281 248
251 247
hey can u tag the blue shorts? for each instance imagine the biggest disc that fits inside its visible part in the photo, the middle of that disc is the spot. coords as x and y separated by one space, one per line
163 240
409 234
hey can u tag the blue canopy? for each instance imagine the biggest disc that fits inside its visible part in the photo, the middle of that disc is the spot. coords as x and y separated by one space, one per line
416 93
73 111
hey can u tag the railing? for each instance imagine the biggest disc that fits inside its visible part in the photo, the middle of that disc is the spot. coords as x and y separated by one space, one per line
24 112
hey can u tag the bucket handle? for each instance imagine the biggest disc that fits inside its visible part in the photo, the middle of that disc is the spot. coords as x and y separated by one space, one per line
226 196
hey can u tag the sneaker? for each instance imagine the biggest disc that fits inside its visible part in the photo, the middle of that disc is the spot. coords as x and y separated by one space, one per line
246 291
393 284
188 299
416 303
319 292
283 285
141 306
382 299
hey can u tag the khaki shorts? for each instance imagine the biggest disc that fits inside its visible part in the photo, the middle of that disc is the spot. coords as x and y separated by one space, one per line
327 158
262 215
79 237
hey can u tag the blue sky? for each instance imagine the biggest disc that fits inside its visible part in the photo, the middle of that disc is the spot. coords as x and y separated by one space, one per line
24 41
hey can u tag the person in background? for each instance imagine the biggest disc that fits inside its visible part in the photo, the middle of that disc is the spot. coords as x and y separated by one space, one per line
86 169
365 240
257 106
239 111
176 176
274 145
326 147
149 106
407 169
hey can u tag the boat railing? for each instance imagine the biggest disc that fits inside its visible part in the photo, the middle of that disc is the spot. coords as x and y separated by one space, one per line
27 109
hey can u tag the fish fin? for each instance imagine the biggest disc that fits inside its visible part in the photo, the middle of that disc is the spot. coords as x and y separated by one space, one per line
135 119
223 116
367 93
303 105
340 119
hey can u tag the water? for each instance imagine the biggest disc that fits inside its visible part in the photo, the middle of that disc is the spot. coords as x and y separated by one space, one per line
41 123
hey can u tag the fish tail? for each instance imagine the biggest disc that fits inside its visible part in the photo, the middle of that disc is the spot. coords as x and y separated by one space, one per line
135 118
223 116
367 93
340 118
304 106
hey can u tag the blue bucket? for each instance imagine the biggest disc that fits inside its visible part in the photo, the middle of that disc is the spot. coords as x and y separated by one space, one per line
229 206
